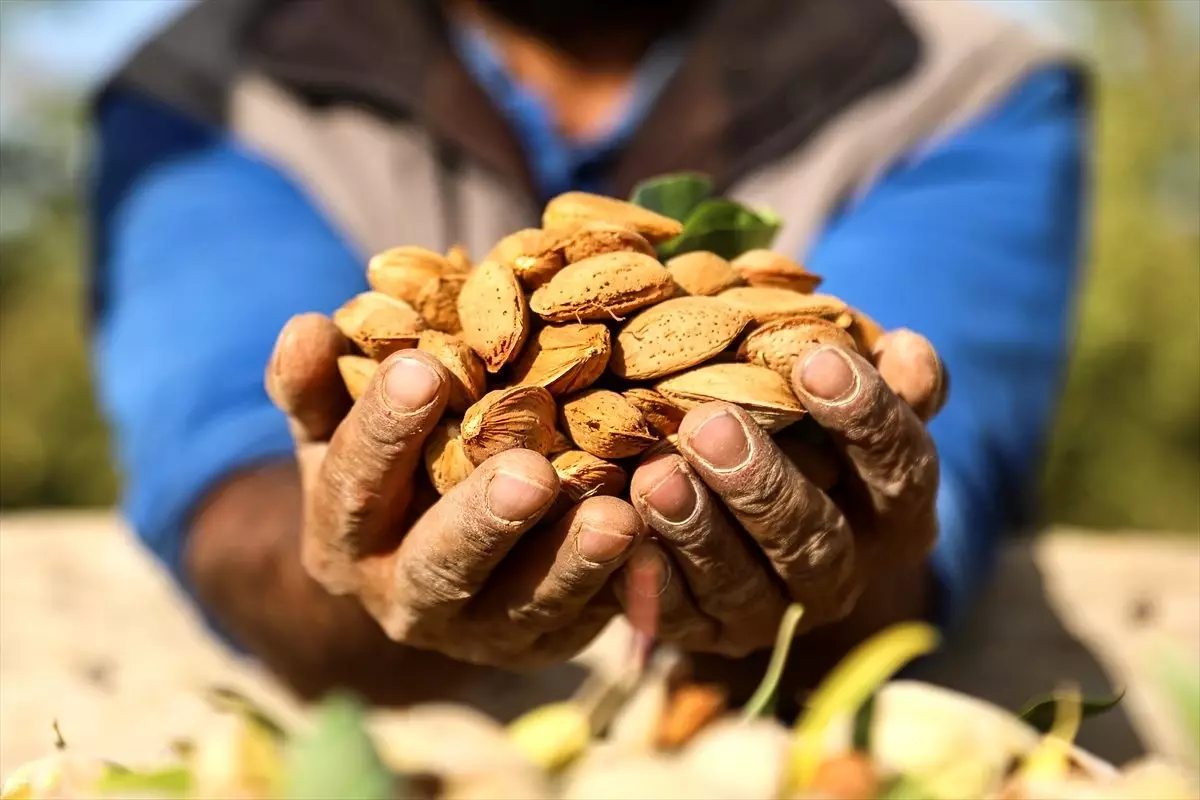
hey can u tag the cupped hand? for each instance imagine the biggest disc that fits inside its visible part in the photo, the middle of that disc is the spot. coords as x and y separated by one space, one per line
482 574
745 524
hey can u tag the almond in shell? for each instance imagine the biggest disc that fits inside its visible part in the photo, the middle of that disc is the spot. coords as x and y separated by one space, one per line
532 254
606 425
603 287
778 344
674 335
866 332
596 238
585 207
661 415
583 475
468 380
459 259
380 325
703 273
422 278
564 358
445 457
494 313
356 372
505 419
761 391
768 268
769 303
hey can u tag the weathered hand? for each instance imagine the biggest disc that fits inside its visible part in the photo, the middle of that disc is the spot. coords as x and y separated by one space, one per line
480 575
745 525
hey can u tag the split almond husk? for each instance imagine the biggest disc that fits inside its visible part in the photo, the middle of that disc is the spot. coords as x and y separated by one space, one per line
564 358
584 207
661 415
595 238
532 254
446 458
606 425
459 259
583 475
866 332
674 335
356 372
761 391
494 313
380 325
769 303
422 278
561 443
768 268
603 287
518 417
778 344
703 273
468 380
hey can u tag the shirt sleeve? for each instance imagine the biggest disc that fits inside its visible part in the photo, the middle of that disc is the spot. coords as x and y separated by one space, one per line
975 242
201 253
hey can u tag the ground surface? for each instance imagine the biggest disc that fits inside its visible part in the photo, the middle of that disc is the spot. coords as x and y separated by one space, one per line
91 633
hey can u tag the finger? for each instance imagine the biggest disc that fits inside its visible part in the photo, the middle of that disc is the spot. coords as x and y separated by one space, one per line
886 445
555 571
663 609
302 377
728 581
446 557
911 367
366 477
802 532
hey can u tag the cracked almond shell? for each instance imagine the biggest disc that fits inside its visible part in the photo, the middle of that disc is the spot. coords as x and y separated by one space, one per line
572 207
606 425
768 268
532 254
445 457
356 372
425 280
582 475
778 344
865 331
761 391
674 335
494 314
564 358
468 380
661 415
603 287
593 238
505 419
378 324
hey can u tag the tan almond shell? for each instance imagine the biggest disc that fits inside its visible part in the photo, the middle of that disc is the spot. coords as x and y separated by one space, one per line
768 268
494 313
761 391
583 207
468 379
769 303
380 325
583 475
422 278
866 332
531 253
595 238
518 417
445 457
602 287
356 372
674 335
666 446
703 273
778 344
459 259
561 443
564 358
661 415
605 424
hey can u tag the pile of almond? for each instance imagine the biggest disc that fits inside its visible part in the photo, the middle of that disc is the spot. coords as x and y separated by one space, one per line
576 341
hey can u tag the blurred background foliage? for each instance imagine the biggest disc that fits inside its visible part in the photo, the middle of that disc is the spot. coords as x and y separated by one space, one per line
1126 451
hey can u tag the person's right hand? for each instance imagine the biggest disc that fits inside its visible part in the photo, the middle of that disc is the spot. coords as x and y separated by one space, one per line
478 575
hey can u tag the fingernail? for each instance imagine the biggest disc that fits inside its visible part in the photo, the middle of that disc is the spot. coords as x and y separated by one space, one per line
720 441
828 375
648 572
516 499
671 495
410 384
599 545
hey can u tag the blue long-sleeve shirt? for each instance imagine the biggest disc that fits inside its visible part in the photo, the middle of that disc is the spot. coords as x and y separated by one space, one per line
203 250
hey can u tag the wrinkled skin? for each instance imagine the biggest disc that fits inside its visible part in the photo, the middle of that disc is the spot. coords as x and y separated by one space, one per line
485 575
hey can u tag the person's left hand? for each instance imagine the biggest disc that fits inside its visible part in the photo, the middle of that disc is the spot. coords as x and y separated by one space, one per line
742 529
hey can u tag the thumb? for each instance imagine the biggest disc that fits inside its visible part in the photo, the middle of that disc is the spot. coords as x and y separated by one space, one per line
911 368
302 377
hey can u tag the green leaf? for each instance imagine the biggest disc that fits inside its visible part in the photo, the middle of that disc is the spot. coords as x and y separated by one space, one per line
173 781
1039 712
904 788
337 758
763 700
675 195
860 735
722 227
1180 681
